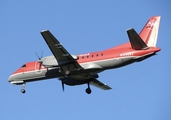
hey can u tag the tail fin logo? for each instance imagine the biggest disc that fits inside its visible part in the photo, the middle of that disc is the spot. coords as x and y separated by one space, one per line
151 24
150 32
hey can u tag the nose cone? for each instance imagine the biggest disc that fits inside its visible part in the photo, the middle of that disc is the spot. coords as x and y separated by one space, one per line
15 79
11 78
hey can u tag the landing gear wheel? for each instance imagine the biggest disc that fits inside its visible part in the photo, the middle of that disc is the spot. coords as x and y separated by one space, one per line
67 72
23 91
23 86
88 90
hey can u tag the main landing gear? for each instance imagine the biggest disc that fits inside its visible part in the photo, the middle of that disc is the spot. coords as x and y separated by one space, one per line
88 90
67 72
22 89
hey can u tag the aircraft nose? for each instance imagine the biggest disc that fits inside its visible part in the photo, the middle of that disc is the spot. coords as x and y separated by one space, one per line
10 79
15 79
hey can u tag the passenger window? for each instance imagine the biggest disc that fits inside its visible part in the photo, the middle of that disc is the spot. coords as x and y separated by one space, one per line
92 56
102 54
97 55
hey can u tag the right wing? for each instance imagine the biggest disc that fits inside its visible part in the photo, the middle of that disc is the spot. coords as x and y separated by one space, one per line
100 85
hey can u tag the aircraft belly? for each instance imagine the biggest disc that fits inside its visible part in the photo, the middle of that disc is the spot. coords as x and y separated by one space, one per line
36 75
71 81
27 76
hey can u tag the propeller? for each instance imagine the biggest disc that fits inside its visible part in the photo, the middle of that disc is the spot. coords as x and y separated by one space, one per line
62 85
62 82
38 55
39 59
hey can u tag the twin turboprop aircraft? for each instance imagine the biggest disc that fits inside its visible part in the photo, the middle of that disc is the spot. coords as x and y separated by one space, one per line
84 68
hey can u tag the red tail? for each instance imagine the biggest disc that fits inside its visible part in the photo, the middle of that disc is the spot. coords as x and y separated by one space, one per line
148 34
150 31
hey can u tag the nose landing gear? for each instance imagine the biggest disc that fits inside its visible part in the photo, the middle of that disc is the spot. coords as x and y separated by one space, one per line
22 89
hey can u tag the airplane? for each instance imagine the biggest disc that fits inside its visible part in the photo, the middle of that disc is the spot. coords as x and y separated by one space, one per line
84 68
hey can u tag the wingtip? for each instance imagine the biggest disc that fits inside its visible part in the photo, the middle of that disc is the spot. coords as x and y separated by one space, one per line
44 31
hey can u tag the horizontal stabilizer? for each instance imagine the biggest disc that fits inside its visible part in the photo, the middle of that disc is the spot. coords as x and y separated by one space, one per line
136 42
100 85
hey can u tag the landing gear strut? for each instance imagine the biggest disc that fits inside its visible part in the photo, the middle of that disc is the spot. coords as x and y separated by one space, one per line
67 72
88 90
22 89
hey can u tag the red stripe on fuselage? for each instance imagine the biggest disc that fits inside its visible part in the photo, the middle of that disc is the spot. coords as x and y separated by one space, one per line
114 53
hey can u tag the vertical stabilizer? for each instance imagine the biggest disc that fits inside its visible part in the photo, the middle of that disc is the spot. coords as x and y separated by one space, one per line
150 31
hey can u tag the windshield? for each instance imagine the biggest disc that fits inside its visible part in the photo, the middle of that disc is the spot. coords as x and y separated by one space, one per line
23 66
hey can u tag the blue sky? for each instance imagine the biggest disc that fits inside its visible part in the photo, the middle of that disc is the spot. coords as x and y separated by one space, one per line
141 91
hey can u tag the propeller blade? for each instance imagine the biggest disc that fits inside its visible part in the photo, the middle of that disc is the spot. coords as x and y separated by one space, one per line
62 85
41 54
37 56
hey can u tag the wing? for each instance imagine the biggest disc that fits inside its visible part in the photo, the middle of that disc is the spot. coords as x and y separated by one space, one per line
100 85
63 57
66 60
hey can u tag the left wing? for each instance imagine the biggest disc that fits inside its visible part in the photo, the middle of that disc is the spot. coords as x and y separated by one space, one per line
63 57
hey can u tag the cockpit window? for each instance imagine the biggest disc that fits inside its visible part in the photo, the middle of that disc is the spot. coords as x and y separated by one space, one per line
23 66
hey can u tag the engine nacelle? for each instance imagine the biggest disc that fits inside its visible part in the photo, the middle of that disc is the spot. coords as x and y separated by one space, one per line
50 61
